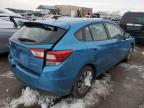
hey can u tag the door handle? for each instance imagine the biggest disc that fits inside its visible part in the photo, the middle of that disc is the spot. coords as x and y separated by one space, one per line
115 45
93 49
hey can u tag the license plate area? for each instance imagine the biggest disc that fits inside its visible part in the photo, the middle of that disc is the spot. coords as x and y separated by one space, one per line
23 58
20 54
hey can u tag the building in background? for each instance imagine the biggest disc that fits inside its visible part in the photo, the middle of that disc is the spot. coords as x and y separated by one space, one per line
74 11
67 10
48 9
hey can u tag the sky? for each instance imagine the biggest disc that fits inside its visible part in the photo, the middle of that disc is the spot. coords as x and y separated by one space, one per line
97 5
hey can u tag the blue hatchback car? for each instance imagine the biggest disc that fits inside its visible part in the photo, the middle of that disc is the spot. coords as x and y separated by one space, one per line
63 56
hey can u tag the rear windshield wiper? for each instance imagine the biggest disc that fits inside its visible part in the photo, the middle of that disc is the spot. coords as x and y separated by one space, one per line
26 40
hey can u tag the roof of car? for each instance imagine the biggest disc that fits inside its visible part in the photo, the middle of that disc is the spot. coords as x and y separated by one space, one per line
72 21
66 23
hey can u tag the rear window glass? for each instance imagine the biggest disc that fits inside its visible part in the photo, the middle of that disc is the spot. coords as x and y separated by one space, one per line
87 34
39 34
133 18
84 34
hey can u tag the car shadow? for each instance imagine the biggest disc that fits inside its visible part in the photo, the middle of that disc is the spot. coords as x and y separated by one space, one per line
3 55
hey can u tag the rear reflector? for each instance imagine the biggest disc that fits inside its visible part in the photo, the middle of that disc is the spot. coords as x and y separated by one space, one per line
56 57
39 53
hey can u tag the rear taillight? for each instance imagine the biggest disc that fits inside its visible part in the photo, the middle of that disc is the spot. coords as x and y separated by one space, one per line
57 57
52 57
38 53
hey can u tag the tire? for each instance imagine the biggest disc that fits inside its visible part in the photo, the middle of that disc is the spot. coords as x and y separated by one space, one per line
83 82
129 55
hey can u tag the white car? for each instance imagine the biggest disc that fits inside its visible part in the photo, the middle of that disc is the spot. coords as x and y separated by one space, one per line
8 26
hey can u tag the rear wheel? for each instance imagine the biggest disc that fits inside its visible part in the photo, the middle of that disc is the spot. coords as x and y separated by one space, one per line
84 82
129 55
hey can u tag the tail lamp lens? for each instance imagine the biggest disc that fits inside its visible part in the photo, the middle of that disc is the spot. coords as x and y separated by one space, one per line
38 53
52 57
57 57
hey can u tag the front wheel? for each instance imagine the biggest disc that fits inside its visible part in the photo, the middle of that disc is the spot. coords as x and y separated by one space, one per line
129 55
84 82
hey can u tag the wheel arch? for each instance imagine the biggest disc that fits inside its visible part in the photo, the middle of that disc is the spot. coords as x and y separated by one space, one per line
92 66
94 73
132 44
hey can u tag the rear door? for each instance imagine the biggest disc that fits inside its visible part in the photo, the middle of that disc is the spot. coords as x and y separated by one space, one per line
120 44
100 47
31 42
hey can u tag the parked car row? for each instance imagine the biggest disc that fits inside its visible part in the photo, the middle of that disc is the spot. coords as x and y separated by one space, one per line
116 20
63 56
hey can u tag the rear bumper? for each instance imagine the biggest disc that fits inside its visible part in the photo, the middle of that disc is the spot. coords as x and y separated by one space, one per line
49 80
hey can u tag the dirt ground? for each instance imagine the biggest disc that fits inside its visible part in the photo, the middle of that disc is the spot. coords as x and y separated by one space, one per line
128 89
127 80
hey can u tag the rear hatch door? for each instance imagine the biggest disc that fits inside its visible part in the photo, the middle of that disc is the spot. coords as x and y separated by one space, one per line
36 36
23 56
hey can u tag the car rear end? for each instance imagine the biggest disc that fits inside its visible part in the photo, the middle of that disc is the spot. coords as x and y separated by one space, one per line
34 61
133 23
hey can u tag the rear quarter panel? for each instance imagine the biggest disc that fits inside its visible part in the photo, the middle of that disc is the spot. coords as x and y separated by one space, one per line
79 57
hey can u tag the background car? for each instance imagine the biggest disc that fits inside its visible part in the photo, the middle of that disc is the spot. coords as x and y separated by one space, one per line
63 56
116 20
8 26
133 23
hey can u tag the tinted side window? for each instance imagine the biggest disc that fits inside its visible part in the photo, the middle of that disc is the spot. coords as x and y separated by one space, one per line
98 32
79 35
87 34
84 34
114 31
